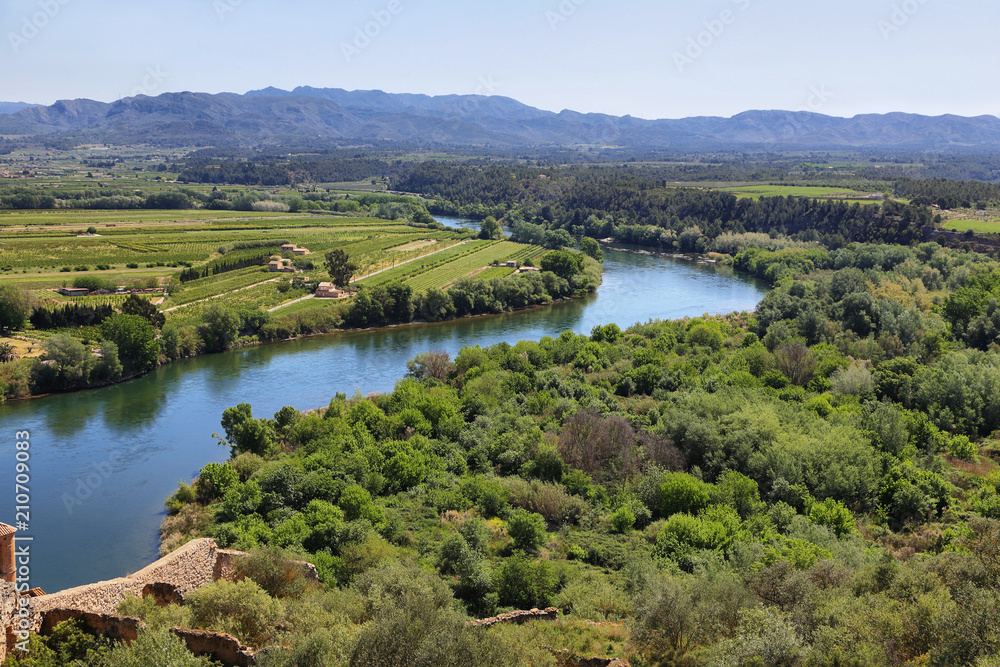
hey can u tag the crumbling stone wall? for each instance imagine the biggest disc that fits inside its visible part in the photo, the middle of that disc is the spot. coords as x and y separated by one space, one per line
169 579
8 607
218 646
570 659
119 628
227 561
518 617
188 568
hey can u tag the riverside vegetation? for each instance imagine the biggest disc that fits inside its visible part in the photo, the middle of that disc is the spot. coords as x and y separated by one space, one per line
810 485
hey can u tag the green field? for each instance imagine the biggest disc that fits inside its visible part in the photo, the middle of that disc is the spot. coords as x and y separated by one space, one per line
44 250
983 226
444 268
814 192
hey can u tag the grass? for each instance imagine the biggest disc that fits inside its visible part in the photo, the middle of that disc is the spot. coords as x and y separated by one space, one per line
978 226
815 192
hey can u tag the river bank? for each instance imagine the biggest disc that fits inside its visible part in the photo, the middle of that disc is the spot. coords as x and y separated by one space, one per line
255 340
104 460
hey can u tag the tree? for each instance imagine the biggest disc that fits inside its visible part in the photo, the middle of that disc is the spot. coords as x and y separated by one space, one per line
219 328
431 365
562 263
135 338
8 352
246 434
136 305
490 229
341 269
15 306
71 364
592 248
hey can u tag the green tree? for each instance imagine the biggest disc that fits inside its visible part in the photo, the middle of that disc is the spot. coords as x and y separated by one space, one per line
71 364
214 480
340 266
563 263
8 352
135 337
219 328
15 306
109 366
490 229
246 434
592 248
136 305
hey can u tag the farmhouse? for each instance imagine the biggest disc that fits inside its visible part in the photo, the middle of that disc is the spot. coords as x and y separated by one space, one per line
295 250
328 291
74 291
280 266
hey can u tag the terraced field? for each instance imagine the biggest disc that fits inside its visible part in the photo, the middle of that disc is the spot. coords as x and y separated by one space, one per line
444 268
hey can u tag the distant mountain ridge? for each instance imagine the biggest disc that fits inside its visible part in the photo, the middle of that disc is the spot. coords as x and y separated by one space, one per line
272 117
13 107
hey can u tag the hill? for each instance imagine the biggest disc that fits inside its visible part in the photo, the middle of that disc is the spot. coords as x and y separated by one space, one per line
272 117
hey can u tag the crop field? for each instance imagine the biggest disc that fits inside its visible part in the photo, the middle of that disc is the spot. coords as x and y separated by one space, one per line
981 226
444 268
206 288
98 218
814 192
55 299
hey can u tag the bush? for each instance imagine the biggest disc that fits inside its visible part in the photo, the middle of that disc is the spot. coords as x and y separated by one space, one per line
623 519
525 583
185 495
834 515
242 609
527 529
155 647
682 493
275 571
214 480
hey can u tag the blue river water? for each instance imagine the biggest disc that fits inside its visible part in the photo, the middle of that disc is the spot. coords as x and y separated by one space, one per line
103 461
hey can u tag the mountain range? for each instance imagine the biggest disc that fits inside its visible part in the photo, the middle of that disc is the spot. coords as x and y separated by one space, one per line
326 115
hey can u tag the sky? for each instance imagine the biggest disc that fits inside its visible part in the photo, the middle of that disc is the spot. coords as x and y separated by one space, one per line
645 58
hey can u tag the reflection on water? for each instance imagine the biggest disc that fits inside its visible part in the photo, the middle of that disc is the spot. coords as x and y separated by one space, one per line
104 460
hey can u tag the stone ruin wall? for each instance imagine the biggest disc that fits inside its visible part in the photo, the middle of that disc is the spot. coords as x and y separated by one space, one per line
187 569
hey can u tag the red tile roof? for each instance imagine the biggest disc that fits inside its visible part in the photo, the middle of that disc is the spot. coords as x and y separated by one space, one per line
6 530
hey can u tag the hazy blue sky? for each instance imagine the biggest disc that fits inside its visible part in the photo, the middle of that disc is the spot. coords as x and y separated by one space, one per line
647 58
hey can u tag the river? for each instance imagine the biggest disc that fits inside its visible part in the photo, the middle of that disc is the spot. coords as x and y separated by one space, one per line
103 461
